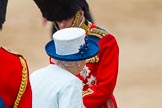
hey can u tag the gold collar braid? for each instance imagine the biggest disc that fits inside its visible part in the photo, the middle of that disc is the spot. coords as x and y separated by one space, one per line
76 20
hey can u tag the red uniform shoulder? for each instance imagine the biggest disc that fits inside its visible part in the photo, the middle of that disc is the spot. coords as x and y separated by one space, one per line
13 77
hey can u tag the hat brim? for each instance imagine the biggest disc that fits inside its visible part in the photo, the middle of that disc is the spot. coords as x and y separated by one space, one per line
92 46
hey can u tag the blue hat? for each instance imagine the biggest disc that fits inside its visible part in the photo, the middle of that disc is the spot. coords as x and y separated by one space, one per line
71 44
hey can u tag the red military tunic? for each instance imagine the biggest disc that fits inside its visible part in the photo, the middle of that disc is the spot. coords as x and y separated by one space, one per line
15 89
100 76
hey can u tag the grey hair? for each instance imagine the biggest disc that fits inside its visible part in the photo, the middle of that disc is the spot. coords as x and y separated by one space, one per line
66 63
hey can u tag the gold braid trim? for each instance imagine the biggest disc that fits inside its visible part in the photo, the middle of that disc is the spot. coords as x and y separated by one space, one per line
23 84
86 92
93 31
94 59
76 20
97 32
24 79
86 27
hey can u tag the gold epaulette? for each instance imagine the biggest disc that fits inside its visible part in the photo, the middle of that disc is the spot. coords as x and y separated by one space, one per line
24 79
98 32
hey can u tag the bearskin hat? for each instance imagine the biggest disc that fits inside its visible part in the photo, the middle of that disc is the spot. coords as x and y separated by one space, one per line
3 9
58 10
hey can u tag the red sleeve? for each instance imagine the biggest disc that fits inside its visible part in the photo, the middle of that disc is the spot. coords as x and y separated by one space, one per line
106 71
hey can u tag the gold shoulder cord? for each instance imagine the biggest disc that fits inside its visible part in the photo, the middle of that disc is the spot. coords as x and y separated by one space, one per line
23 84
24 79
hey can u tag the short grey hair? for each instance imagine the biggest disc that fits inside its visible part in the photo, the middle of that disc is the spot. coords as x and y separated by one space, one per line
66 63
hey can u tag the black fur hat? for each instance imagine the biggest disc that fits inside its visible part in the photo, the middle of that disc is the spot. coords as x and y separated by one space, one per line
58 10
3 9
